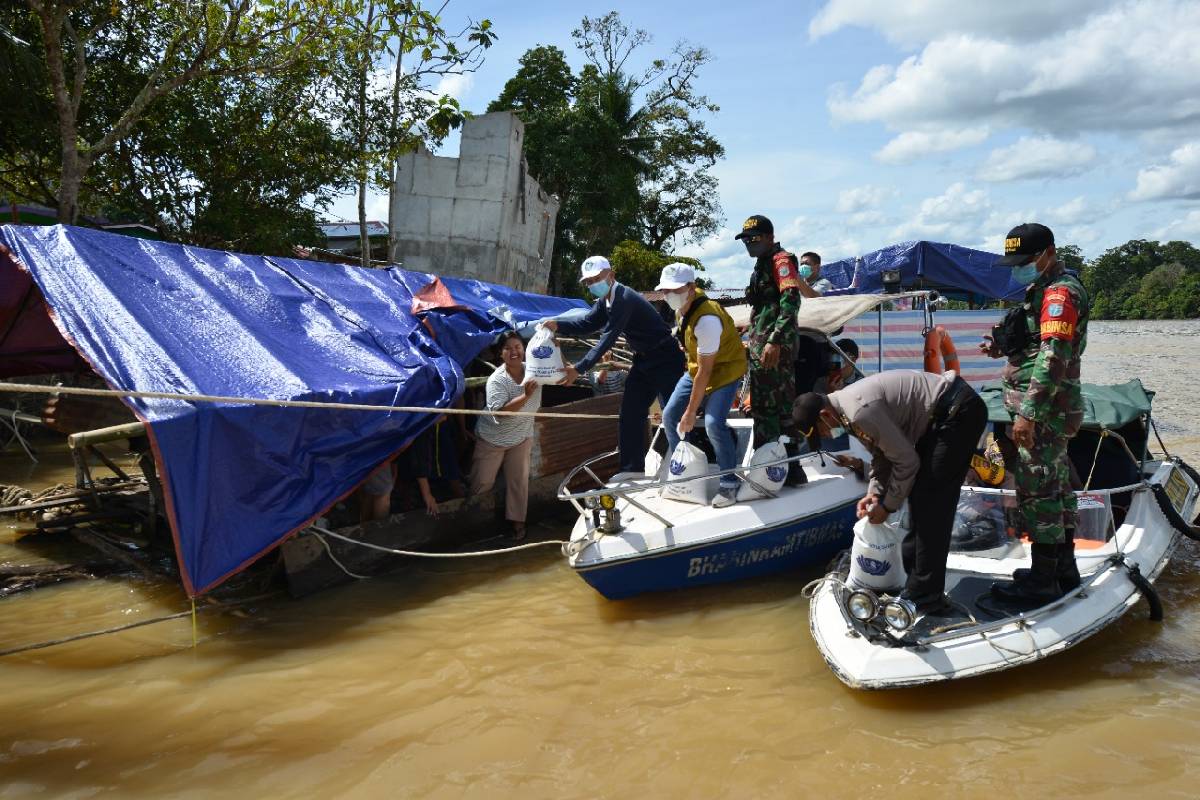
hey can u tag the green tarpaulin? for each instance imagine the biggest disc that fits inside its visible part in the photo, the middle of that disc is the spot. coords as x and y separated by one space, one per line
1103 406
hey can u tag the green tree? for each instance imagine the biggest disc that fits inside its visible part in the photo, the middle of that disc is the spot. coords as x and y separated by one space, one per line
407 41
639 267
171 44
1145 280
623 149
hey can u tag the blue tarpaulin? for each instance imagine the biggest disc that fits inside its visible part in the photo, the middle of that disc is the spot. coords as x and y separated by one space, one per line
238 479
949 268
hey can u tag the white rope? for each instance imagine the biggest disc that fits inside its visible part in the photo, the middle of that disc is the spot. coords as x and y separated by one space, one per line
418 554
262 401
334 559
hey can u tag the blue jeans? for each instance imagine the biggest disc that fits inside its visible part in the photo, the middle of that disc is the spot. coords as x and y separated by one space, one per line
716 410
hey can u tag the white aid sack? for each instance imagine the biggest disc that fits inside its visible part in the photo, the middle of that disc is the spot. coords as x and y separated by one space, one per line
543 358
770 478
875 560
688 461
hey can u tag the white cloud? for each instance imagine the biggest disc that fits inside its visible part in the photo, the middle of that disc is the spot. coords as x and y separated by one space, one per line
1185 228
1071 212
457 86
963 215
728 267
862 198
1037 157
1178 179
1130 69
912 22
911 145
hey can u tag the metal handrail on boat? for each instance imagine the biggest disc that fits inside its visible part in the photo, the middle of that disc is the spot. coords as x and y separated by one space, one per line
622 491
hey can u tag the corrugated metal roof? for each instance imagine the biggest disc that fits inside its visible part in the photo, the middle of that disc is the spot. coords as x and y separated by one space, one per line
343 230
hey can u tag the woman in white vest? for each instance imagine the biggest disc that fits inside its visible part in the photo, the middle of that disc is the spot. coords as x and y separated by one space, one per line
716 360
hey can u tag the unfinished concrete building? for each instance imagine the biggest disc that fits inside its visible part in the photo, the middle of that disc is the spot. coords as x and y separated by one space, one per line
480 215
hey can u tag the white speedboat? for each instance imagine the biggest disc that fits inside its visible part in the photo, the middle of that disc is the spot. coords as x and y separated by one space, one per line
874 642
630 539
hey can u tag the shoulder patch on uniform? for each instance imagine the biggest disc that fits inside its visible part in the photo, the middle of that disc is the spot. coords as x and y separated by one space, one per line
785 271
1059 315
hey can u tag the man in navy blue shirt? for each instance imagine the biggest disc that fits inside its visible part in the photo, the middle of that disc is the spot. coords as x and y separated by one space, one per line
658 361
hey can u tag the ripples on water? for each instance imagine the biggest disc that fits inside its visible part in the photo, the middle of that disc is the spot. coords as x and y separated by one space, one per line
510 677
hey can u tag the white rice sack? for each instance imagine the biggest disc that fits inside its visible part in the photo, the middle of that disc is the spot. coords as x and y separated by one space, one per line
875 560
770 478
688 461
543 358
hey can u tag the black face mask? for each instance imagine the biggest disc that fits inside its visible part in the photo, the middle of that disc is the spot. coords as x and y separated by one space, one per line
758 249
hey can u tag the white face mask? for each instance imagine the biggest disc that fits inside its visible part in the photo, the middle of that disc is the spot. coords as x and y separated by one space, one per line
675 299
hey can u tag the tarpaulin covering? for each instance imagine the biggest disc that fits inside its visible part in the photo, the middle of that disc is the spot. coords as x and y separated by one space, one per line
949 268
150 316
1110 407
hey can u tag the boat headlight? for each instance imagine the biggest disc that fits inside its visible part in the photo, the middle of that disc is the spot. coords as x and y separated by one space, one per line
591 502
899 614
608 502
862 604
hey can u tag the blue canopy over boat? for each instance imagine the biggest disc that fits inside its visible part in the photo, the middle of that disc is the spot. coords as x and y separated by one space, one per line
951 269
238 479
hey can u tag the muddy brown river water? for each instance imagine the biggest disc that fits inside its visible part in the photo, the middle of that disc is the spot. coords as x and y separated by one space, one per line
509 677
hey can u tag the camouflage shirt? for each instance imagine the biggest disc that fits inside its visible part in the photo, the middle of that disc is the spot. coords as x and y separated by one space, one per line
774 297
1042 382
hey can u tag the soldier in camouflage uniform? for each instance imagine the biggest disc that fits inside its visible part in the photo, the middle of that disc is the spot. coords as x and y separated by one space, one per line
774 298
1042 392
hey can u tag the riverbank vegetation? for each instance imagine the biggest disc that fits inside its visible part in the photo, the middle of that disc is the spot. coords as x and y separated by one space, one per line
1141 280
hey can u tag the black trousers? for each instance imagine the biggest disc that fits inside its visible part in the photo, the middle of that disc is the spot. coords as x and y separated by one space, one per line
945 451
652 375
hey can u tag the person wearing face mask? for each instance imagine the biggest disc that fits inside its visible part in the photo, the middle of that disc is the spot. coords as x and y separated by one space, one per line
1043 340
921 430
774 298
657 359
813 356
716 359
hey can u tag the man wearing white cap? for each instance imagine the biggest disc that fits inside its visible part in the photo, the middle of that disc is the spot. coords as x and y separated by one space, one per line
657 359
716 360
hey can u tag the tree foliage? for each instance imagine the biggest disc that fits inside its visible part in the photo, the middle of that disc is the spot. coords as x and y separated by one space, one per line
639 267
222 122
623 147
1145 280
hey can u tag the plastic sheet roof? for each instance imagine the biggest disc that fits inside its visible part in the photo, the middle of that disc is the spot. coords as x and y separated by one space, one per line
238 479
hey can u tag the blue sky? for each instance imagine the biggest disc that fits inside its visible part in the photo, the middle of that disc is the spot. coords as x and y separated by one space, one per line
858 123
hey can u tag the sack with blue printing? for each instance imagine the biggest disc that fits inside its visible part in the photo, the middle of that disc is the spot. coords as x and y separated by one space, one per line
875 560
770 478
543 357
688 461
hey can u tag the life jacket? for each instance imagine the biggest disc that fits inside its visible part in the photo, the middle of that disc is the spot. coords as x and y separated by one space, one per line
731 354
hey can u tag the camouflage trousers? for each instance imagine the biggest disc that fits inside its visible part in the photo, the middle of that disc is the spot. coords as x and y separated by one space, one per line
1045 503
772 393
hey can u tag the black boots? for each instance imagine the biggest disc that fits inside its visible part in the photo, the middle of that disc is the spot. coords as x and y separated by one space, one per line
795 476
1036 586
1067 570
